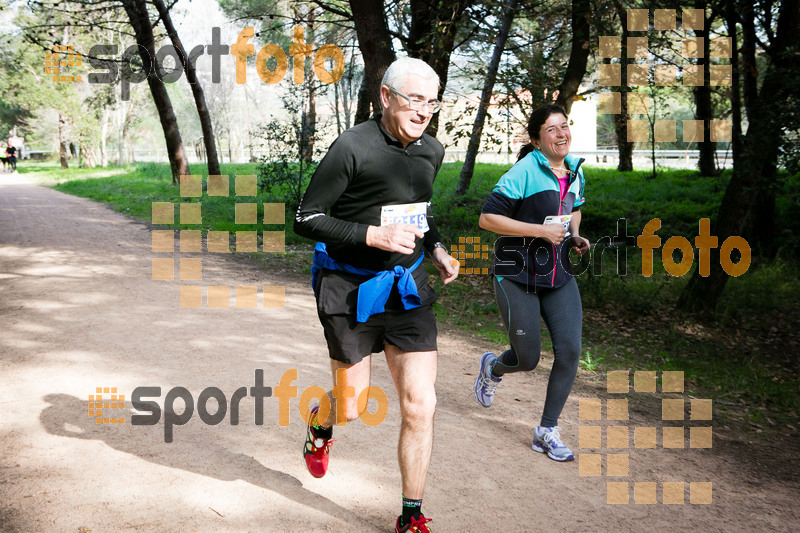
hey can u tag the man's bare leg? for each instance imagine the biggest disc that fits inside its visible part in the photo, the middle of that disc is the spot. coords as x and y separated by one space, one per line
357 377
318 438
414 375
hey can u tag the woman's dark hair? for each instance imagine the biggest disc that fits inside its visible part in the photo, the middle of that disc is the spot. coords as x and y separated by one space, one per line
539 117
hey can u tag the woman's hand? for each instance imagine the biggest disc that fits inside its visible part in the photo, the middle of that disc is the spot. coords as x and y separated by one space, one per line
580 245
553 233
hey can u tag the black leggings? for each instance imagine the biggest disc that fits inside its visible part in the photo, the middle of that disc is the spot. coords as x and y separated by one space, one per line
563 315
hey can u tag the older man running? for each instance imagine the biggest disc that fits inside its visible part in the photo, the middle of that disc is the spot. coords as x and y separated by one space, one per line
368 205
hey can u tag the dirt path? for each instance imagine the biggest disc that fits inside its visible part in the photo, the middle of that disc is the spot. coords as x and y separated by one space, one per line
78 310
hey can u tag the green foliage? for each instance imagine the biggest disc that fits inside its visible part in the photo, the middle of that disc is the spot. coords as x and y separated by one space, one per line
133 189
286 170
678 197
591 363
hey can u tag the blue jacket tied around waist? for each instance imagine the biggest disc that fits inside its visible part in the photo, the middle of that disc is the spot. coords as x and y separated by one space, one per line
373 293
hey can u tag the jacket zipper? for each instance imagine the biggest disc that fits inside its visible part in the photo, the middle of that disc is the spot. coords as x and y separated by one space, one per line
561 196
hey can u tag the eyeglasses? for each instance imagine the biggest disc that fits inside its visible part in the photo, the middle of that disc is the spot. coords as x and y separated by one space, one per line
416 104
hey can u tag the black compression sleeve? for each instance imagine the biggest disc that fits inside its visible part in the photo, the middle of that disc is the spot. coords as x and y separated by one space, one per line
432 236
327 184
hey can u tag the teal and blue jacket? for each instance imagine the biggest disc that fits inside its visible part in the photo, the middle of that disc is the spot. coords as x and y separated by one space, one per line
530 192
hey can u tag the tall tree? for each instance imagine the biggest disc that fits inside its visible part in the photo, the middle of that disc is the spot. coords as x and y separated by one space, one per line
488 85
764 203
309 115
731 19
702 98
375 43
579 54
432 38
624 147
756 166
194 83
143 29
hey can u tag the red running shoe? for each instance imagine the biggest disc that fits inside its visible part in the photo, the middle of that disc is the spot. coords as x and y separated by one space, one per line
316 451
417 525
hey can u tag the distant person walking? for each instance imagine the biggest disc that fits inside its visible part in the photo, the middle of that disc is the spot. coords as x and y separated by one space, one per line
536 208
11 157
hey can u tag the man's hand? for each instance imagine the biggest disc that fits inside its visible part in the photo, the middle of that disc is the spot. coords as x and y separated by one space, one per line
394 237
448 267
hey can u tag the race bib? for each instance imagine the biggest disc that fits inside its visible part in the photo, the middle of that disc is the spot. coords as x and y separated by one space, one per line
414 214
560 219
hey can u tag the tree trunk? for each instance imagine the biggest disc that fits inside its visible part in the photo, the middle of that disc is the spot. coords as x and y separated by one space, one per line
578 56
62 141
488 85
375 44
363 103
749 64
703 111
736 100
431 38
347 89
756 166
762 231
197 89
310 122
336 109
103 133
121 137
624 148
140 21
653 136
230 143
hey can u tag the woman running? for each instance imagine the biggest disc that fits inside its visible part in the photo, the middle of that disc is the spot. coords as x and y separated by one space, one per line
535 207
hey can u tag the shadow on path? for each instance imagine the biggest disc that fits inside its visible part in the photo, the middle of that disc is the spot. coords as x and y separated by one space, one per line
206 458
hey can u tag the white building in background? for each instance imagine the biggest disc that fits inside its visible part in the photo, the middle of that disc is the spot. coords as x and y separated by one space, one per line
510 130
584 125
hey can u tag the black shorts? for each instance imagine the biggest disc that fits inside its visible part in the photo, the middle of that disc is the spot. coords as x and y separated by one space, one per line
350 341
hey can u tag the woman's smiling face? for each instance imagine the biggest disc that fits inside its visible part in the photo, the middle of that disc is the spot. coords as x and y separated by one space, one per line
554 138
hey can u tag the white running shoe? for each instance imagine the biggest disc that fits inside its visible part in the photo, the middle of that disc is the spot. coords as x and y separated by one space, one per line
547 440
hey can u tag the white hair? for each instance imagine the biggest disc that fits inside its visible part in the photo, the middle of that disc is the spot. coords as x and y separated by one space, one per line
399 71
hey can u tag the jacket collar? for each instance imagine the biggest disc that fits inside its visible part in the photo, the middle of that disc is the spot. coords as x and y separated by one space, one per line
571 160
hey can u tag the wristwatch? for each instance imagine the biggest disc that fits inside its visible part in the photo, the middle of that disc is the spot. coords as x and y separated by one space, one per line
442 246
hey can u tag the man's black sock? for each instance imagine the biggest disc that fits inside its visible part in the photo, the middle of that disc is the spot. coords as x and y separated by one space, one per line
319 431
411 509
323 433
